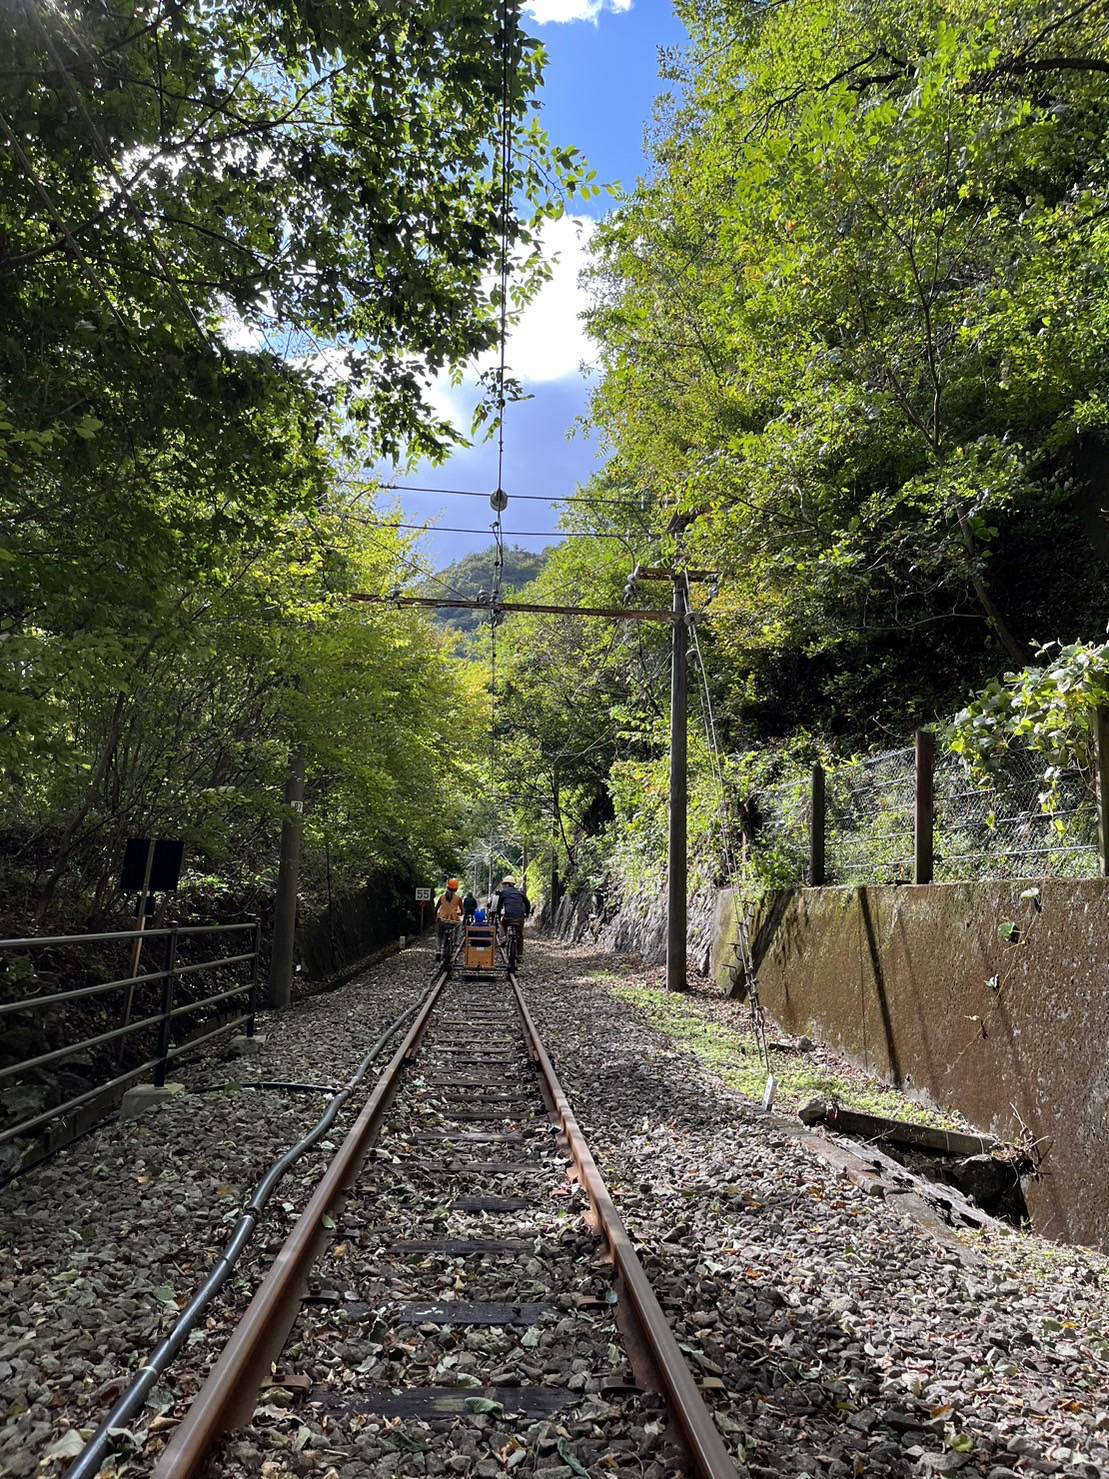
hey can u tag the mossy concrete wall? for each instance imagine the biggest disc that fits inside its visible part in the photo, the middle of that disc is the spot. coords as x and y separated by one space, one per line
919 985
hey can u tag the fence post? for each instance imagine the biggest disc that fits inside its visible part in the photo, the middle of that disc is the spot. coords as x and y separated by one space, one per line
816 829
255 975
169 987
924 809
1101 731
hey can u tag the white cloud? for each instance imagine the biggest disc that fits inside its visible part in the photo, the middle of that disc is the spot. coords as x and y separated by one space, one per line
557 12
548 342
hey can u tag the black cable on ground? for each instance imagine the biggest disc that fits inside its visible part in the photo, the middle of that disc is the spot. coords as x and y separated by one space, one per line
132 1400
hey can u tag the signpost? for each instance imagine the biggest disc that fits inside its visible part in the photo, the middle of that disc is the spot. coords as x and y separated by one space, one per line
423 898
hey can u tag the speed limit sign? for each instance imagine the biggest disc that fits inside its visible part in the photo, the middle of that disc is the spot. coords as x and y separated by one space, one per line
423 895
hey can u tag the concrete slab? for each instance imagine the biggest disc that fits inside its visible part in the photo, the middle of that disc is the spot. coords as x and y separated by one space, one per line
143 1097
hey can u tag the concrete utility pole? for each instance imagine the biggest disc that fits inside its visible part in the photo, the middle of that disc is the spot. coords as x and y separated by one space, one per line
677 850
677 859
288 885
679 617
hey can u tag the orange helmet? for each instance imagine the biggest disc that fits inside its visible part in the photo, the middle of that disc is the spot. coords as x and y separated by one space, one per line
452 883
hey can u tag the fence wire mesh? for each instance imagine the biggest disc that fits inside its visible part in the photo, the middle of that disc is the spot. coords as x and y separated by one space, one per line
869 820
1019 826
781 817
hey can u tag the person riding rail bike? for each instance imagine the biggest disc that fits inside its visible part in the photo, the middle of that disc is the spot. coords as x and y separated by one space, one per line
448 916
510 907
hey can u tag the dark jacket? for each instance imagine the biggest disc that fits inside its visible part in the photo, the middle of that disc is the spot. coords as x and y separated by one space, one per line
469 904
512 903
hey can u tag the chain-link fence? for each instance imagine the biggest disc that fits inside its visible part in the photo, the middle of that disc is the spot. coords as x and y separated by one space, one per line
869 820
1019 826
779 820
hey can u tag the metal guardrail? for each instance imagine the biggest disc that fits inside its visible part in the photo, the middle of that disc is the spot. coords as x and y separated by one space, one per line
170 1011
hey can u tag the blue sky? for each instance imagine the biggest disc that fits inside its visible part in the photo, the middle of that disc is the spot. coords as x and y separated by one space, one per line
602 81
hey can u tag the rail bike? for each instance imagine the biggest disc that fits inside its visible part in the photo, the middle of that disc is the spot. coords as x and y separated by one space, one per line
481 952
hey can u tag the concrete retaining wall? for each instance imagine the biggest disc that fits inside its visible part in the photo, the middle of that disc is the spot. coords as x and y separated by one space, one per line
918 985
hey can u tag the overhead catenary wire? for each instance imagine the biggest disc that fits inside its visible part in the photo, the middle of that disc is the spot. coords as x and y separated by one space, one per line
484 493
505 145
490 529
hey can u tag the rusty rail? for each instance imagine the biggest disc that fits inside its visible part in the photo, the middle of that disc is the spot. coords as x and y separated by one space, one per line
707 1454
229 1395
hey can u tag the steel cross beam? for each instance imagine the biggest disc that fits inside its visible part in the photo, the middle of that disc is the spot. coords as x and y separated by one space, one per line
447 603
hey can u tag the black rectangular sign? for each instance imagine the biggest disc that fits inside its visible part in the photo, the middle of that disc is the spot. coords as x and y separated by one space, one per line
165 871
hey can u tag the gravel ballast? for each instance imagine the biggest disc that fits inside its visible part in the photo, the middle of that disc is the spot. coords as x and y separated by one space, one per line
538 1383
843 1338
832 1333
108 1239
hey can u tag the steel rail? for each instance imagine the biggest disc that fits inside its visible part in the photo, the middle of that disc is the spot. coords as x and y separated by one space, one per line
229 1395
132 1400
709 1457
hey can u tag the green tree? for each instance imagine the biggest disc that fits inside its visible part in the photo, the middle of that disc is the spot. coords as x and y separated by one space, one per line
854 340
235 243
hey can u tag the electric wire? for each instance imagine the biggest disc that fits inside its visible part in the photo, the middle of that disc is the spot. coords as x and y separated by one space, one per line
479 493
498 526
499 534
735 870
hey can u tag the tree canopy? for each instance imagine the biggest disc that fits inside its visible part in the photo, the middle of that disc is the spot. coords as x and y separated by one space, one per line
235 244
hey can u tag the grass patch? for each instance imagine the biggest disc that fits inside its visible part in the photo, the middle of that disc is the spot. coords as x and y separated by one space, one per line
733 1054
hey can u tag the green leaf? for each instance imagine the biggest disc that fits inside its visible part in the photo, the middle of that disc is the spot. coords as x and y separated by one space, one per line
482 1404
568 1458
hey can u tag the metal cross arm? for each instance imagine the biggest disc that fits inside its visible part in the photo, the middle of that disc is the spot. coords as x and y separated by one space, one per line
444 603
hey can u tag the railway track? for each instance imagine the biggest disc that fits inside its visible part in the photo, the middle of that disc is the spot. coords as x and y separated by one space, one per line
452 1300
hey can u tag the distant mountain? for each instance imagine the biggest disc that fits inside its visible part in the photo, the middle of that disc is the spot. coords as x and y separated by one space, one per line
475 573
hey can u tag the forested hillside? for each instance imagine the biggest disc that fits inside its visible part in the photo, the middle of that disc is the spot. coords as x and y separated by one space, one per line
475 573
854 333
853 329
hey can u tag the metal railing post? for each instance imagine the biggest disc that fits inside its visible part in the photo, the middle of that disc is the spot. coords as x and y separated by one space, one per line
1101 746
255 976
817 823
924 807
169 987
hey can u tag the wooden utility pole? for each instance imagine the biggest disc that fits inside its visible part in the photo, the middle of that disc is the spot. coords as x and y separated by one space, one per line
924 806
282 949
817 825
555 804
